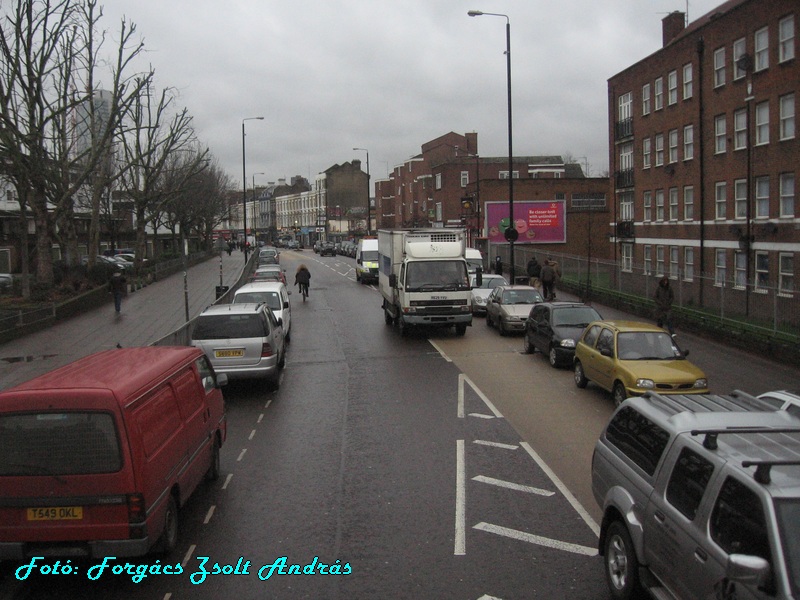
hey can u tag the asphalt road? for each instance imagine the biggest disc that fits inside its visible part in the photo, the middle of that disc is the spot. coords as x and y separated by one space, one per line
428 466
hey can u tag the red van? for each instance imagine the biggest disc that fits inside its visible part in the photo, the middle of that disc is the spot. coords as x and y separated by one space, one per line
98 456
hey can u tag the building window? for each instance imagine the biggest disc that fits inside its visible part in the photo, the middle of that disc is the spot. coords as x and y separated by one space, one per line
672 87
647 202
646 99
786 273
504 175
740 198
762 197
740 129
626 157
762 270
673 146
659 93
688 142
627 257
673 204
721 198
659 149
674 269
786 39
739 50
739 269
787 194
646 145
648 260
659 205
625 107
660 261
688 203
439 181
688 263
719 67
762 123
720 132
464 178
720 270
761 49
626 206
687 81
787 116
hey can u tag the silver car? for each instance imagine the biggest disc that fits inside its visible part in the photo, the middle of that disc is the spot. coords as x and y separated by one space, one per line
244 341
508 307
481 293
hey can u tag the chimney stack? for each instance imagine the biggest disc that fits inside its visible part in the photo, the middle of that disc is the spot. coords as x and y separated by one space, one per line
672 25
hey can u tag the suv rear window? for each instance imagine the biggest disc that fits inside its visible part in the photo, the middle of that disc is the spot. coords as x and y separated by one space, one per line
50 443
224 326
638 438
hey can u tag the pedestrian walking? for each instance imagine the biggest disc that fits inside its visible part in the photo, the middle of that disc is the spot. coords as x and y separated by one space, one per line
534 272
498 265
548 277
664 298
118 286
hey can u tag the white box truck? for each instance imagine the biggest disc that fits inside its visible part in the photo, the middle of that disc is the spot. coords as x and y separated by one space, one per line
423 278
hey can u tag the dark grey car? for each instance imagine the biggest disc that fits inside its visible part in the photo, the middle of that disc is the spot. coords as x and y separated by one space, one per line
554 328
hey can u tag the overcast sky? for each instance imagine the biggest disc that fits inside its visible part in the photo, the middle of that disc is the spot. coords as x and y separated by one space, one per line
390 75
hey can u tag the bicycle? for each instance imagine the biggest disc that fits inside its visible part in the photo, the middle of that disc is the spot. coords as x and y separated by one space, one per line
304 290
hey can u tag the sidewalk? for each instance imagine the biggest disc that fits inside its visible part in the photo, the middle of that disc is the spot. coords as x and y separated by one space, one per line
148 314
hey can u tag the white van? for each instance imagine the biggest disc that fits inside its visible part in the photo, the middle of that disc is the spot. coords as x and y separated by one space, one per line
276 296
474 260
367 260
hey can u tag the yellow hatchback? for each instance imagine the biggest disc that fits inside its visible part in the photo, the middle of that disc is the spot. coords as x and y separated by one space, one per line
629 358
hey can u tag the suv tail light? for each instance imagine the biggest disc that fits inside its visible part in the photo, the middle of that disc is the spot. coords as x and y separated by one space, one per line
266 350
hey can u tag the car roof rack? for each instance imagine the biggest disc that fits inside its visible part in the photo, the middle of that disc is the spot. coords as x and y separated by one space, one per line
762 474
710 441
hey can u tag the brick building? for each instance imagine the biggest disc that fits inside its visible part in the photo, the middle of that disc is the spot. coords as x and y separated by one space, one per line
704 154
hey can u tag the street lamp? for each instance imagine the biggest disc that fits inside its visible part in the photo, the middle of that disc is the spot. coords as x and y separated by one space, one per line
255 213
511 234
244 184
368 187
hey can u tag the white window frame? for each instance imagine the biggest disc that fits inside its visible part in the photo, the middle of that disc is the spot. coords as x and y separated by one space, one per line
659 143
720 134
761 49
740 199
688 203
647 206
761 270
504 175
688 263
786 39
762 197
625 106
786 273
719 67
720 267
647 146
688 142
659 206
646 99
787 194
672 88
660 261
438 180
674 266
673 204
626 252
626 206
762 123
787 117
687 81
673 146
720 200
648 260
739 269
464 179
740 129
739 50
658 94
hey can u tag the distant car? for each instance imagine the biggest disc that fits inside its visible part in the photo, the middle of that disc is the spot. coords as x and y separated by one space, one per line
508 306
132 259
107 261
292 245
481 294
317 245
126 264
274 294
269 272
243 341
553 328
327 249
783 400
268 256
629 358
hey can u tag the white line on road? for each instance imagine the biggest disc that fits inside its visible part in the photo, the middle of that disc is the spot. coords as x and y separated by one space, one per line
252 434
483 397
260 418
512 486
188 555
227 480
209 514
481 416
440 351
241 454
461 536
536 539
496 444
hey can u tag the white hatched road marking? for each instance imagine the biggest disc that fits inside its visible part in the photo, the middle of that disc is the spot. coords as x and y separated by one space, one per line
536 539
512 486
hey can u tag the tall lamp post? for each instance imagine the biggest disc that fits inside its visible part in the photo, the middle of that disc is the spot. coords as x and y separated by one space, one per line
511 233
368 187
255 212
244 184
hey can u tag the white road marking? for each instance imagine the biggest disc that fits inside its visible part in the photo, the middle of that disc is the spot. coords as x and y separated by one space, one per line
487 597
209 514
481 416
227 480
483 397
563 489
536 539
512 486
461 499
188 555
496 444
440 351
252 434
260 418
241 454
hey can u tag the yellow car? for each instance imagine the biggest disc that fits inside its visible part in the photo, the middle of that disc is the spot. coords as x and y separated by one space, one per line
629 358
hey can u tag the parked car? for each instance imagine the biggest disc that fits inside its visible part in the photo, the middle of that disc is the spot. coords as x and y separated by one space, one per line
274 294
783 400
126 264
268 256
131 258
327 249
629 358
508 306
553 328
243 341
269 272
317 245
105 260
481 293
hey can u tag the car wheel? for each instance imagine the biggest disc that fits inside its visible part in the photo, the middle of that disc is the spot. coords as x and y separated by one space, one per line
527 347
213 469
553 357
622 566
618 393
580 376
169 537
488 319
388 317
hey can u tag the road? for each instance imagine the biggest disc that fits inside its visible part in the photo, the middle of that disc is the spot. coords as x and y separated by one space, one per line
428 466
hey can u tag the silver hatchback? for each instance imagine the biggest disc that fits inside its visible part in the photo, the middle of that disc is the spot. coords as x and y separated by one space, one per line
244 341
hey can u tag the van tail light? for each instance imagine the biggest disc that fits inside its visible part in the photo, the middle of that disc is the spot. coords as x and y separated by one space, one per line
266 350
137 514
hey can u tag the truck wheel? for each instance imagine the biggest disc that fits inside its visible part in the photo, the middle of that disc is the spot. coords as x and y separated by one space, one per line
402 326
387 316
618 393
580 376
461 328
213 469
622 566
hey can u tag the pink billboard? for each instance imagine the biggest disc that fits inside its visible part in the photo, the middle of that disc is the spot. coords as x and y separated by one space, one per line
540 222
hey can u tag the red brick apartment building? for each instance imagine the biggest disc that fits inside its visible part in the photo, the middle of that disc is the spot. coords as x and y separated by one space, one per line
704 156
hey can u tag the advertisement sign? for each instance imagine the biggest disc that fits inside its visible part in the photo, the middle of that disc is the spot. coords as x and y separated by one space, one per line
539 222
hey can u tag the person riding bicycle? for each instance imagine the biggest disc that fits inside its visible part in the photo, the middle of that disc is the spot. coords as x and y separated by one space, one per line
302 278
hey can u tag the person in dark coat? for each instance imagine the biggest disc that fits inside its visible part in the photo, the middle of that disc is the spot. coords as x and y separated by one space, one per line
664 298
118 286
498 265
534 272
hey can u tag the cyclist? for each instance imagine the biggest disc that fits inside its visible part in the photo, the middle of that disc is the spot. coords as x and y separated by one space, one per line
302 278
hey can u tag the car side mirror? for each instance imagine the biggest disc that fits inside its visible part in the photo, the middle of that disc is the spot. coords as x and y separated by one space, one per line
748 570
479 277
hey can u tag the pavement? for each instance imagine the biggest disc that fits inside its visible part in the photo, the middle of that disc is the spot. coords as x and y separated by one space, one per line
148 314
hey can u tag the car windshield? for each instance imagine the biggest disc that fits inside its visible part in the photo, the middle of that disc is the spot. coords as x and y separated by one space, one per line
521 297
272 299
488 283
437 275
224 326
646 345
369 255
788 512
579 316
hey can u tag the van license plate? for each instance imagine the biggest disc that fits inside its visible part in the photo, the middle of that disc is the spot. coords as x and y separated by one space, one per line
56 513
229 353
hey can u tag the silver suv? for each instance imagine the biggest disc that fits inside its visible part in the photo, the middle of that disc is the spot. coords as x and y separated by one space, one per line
700 497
